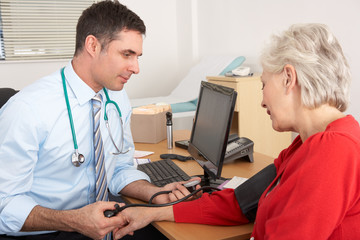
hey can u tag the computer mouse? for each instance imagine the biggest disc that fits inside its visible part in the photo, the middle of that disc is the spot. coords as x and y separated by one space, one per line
175 156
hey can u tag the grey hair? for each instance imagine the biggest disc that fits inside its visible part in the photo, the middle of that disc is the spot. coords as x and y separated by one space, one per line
322 70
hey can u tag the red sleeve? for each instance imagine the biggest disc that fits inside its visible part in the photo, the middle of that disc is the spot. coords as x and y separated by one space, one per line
218 208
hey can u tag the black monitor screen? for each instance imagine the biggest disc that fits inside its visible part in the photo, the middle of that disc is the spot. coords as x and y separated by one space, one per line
211 127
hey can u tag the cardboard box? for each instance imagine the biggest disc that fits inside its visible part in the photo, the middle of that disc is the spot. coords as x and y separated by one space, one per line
148 123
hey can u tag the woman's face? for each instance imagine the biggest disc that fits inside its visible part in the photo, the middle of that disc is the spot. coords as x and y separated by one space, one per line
276 100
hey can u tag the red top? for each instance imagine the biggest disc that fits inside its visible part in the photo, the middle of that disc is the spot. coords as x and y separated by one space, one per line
317 197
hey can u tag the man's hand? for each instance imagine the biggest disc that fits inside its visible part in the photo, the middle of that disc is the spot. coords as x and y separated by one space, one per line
88 220
94 224
144 190
178 191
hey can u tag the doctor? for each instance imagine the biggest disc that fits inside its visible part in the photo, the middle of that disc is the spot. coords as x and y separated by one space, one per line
47 157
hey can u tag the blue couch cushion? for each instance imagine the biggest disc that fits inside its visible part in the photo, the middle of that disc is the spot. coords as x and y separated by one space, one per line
184 106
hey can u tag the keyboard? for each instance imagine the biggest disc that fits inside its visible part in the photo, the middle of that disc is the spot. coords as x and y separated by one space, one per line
163 172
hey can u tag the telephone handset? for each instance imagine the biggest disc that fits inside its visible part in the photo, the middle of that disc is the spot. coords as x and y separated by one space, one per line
239 147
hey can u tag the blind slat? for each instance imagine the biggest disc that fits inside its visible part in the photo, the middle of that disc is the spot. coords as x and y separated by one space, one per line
41 33
39 29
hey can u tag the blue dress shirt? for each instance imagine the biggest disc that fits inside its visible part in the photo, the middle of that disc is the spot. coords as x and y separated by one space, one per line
36 147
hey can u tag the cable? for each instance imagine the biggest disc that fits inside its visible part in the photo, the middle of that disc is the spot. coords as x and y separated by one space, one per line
157 194
111 213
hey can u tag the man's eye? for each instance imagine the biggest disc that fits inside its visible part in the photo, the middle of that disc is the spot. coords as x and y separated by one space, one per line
126 54
263 85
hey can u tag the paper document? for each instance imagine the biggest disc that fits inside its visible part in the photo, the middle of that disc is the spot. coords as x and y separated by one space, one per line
138 161
235 182
140 154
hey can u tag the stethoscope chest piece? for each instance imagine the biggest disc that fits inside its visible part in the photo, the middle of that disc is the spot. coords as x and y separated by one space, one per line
77 159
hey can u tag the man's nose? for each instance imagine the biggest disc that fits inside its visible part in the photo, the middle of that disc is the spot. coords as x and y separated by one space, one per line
134 66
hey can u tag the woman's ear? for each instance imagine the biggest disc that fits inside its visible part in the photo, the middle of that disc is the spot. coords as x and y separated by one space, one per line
290 80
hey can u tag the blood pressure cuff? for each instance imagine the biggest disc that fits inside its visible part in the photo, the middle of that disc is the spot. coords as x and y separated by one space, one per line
249 193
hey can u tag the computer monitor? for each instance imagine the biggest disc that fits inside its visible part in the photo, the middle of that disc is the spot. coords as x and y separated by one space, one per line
210 131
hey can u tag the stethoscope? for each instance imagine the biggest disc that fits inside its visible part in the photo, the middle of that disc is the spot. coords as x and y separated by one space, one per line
77 158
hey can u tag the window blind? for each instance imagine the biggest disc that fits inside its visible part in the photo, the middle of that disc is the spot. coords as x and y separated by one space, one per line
2 51
40 29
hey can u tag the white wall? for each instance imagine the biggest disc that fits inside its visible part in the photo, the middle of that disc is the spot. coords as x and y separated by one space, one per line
20 74
179 32
168 46
242 27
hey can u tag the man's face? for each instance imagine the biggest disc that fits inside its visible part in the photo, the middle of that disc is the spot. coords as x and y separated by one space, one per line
113 66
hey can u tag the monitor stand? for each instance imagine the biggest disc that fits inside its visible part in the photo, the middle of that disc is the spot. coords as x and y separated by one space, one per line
207 181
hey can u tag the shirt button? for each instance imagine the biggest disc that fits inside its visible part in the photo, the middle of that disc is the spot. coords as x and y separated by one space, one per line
252 238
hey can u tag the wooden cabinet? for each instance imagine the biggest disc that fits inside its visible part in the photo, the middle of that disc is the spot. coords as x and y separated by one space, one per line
250 119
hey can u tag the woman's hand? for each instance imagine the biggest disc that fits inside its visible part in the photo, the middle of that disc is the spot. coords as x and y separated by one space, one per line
139 217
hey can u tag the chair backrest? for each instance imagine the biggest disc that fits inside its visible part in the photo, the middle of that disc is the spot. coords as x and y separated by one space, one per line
6 94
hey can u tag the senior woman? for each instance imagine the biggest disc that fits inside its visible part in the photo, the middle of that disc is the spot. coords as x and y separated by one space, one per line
315 194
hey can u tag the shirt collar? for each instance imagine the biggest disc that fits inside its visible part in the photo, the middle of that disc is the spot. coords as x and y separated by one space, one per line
81 90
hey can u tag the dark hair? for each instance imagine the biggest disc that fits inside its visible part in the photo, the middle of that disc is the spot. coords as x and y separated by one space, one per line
105 20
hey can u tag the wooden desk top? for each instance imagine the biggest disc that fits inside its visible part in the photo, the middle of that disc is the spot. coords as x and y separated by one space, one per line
188 231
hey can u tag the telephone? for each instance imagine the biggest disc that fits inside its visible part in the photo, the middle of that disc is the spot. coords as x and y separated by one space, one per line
241 71
237 147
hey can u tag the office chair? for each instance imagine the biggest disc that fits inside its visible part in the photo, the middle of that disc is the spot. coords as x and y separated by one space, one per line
6 94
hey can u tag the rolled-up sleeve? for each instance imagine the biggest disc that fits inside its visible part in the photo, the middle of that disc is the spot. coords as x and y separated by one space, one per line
18 154
13 215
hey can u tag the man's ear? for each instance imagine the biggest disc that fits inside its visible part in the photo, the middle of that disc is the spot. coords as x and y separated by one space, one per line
92 45
290 80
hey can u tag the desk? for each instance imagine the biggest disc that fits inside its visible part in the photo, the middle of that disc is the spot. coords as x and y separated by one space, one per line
189 231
